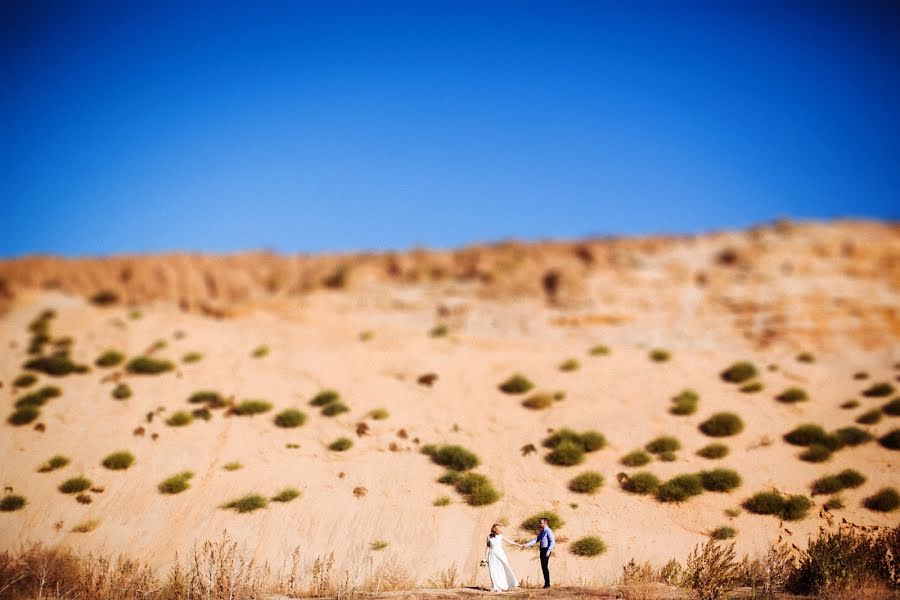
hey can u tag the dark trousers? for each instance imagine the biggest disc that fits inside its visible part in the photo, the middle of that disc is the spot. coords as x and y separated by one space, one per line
545 566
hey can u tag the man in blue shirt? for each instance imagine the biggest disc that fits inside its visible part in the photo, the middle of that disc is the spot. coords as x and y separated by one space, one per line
546 542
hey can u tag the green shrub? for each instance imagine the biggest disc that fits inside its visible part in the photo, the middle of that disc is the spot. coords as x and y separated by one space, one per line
192 357
795 508
660 355
341 444
592 441
74 485
892 408
104 298
379 414
739 372
118 461
121 392
680 488
850 404
438 331
891 440
806 435
589 545
110 358
806 357
764 503
325 397
57 461
252 407
642 482
751 388
722 424
232 466
538 401
11 502
147 365
290 417
879 390
834 503
637 458
533 523
180 419
713 451
570 364
561 435
38 397
850 436
884 500
441 501
720 480
334 409
208 397
723 533
685 403
176 483
667 456
830 484
57 365
23 416
260 352
664 443
599 350
870 417
248 503
586 483
24 380
477 489
517 384
455 457
286 495
566 454
792 395
815 453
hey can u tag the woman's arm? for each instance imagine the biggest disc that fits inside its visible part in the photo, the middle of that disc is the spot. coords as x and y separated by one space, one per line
511 543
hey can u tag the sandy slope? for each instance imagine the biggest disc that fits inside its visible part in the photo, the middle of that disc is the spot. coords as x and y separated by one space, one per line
840 304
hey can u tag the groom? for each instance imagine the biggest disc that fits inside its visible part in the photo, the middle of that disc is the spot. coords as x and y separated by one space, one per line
546 542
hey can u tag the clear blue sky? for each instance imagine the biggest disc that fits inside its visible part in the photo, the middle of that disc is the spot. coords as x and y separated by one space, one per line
297 126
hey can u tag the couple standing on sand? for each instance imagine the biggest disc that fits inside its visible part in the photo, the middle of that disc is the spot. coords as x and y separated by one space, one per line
502 576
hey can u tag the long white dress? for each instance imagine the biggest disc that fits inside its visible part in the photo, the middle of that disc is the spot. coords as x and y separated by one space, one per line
502 576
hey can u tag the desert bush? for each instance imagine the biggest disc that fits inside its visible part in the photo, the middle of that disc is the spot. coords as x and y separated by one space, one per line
441 501
680 488
450 477
248 503
147 365
806 435
720 480
850 436
379 414
477 489
870 417
286 495
538 401
11 502
57 365
792 395
232 466
570 364
567 453
192 357
589 545
850 404
830 484
23 416
110 358
455 457
24 380
252 407
722 424
685 403
39 397
176 483
516 384
636 458
289 418
180 419
592 441
642 482
210 398
884 500
85 526
711 570
660 355
806 357
202 413
713 451
664 443
439 331
533 523
795 507
599 350
586 483
341 444
561 435
815 453
739 372
57 461
724 532
260 352
834 503
104 298
335 408
751 388
667 456
118 461
121 392
764 503
891 440
325 397
75 485
892 408
379 545
879 390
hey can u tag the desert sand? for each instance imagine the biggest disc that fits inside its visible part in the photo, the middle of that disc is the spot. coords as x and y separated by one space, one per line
762 295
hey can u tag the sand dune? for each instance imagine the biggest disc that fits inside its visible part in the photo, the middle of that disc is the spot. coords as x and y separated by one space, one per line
764 295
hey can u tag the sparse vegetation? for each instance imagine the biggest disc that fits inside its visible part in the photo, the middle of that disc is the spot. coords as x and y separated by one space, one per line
815 453
884 500
232 466
55 365
713 451
636 458
260 352
642 482
57 461
286 495
334 409
477 489
341 444
680 488
176 483
192 357
724 532
24 380
850 436
325 397
439 331
118 461
379 414
660 355
891 440
180 419
722 424
11 502
830 484
75 485
110 358
570 364
86 526
791 508
378 545
834 503
892 408
739 372
539 401
711 570
806 357
147 365
516 384
805 435
290 418
208 397
685 403
251 407
850 404
567 453
246 504
792 395
720 480
23 416
589 545
664 443
38 397
586 483
879 390
533 523
870 417
454 457
121 392
751 388
442 501
599 350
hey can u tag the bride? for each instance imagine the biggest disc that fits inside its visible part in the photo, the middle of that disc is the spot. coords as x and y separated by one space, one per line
502 576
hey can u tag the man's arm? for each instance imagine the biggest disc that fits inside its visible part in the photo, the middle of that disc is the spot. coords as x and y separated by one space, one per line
552 539
531 543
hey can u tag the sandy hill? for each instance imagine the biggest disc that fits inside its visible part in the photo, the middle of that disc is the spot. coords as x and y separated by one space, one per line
607 331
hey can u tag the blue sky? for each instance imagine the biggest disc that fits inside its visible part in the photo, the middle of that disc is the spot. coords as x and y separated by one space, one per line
304 127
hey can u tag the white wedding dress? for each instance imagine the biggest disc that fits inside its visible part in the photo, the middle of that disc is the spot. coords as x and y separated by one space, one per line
502 576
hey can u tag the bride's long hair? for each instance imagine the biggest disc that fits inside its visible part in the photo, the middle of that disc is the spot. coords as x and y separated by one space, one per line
494 528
